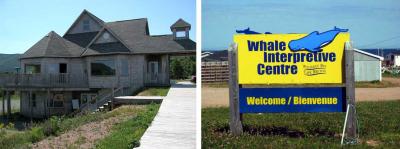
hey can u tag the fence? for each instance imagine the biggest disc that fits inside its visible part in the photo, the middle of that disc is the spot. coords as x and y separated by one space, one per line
212 72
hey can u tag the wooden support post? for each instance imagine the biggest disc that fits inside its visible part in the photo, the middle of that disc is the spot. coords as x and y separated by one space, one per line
112 99
4 104
8 105
30 106
351 124
46 104
235 123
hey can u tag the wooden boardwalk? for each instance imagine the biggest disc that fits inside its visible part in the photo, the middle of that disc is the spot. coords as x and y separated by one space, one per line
175 123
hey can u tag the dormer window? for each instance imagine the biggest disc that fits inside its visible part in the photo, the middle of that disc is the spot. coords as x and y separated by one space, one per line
180 29
180 34
86 25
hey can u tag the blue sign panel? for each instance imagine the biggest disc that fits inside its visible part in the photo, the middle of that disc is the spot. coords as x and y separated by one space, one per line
310 99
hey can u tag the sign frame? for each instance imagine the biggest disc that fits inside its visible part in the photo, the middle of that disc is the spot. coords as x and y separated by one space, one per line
350 129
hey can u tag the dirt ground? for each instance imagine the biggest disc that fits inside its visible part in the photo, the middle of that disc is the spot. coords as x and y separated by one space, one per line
219 97
85 136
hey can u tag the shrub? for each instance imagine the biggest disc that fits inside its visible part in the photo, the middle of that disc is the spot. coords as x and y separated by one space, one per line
52 126
36 134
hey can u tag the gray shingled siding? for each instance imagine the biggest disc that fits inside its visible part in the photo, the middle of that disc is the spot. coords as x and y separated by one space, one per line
41 97
78 27
109 47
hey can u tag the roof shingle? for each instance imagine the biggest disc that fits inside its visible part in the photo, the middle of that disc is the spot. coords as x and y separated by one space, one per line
53 45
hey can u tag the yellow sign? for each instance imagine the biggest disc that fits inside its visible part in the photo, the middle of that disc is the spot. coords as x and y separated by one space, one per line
291 58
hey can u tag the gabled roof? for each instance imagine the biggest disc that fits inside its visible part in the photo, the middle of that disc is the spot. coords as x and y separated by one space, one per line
180 24
98 20
369 54
53 45
134 35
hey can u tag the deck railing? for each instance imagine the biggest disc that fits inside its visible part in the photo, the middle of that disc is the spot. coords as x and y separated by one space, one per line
62 80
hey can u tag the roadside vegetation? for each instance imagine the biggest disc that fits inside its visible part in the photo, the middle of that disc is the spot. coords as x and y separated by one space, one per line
55 126
378 127
154 91
393 75
375 84
127 134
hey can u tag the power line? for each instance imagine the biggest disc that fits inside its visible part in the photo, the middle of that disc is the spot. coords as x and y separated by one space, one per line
379 42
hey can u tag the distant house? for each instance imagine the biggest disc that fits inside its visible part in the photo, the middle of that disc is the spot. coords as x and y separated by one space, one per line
214 66
93 61
393 58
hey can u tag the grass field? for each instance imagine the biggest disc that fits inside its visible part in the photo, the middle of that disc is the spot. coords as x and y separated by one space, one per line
387 74
154 91
375 84
379 126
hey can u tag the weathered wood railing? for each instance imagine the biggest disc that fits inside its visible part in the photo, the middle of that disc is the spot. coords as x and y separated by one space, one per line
63 80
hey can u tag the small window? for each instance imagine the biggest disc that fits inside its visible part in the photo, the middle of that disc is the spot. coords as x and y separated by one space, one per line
33 100
32 68
106 36
124 68
103 68
86 25
57 100
180 34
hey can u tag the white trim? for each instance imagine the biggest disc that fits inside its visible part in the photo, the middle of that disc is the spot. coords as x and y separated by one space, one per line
369 54
380 70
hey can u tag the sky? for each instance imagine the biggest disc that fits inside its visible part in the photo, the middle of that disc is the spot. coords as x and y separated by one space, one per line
25 22
372 24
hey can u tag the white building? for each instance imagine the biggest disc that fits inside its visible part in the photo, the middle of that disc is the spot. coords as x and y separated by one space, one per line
394 58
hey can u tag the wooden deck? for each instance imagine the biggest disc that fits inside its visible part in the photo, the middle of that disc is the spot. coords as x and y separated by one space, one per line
43 81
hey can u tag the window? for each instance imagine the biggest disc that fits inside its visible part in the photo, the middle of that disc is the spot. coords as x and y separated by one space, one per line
106 36
86 25
124 68
103 68
62 68
32 68
33 100
57 101
180 34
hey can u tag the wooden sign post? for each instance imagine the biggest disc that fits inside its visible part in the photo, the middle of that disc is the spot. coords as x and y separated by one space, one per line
235 116
350 135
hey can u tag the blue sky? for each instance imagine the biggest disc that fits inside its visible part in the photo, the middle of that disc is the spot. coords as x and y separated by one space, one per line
370 22
23 23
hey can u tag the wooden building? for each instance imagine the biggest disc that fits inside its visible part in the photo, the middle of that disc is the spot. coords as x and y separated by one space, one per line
92 62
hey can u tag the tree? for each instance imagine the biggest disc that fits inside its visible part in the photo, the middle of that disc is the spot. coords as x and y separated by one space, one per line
182 67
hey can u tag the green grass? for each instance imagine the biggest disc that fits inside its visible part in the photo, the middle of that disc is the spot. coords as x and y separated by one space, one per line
378 121
127 134
375 84
387 74
55 126
154 91
13 97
